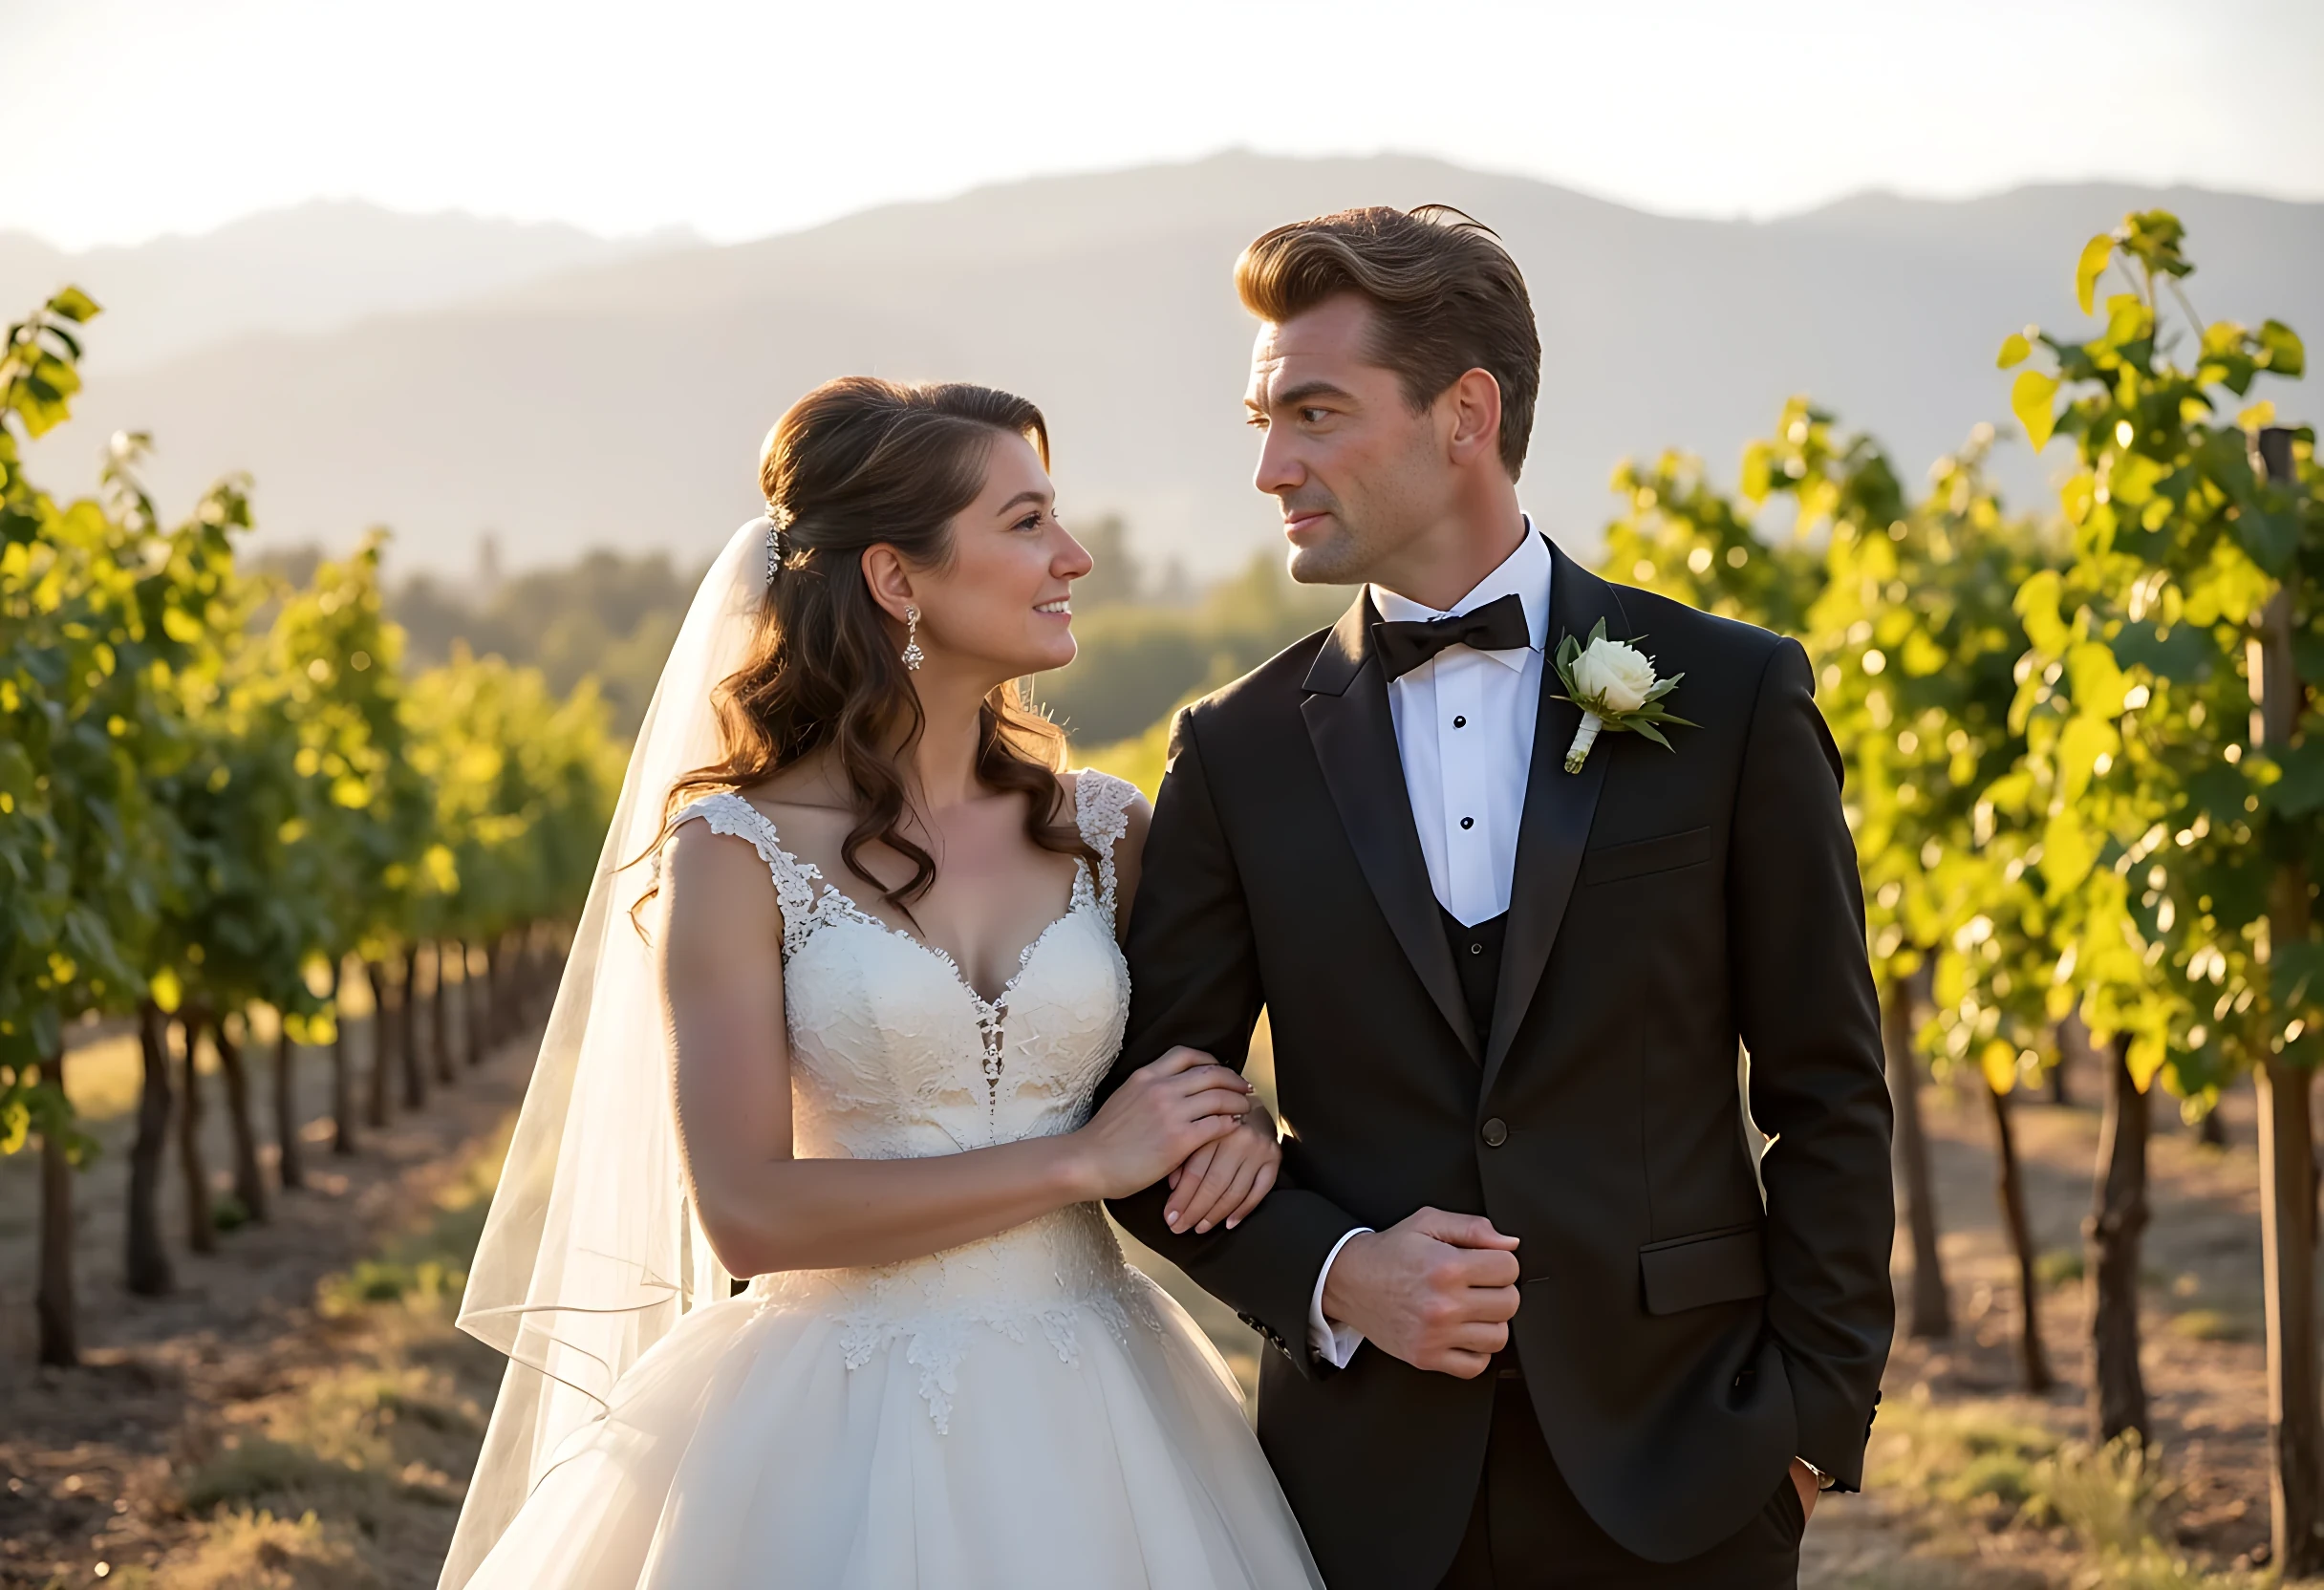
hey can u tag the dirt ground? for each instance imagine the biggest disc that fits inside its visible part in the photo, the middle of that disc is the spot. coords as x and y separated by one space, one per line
96 1460
142 1467
2206 1367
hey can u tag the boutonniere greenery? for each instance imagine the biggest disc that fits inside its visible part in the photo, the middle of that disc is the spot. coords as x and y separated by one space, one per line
1615 685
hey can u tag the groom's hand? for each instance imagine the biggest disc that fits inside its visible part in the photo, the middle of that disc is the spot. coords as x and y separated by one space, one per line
1436 1290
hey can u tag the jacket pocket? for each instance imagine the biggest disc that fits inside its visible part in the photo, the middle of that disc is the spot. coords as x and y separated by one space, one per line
1791 1513
1721 1266
1665 853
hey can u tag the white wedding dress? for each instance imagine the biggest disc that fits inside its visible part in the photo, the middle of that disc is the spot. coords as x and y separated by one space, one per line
1026 1411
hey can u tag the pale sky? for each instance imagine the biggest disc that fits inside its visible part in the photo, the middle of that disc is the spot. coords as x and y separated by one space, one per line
124 119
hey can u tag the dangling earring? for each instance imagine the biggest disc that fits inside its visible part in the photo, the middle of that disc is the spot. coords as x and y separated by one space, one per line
914 657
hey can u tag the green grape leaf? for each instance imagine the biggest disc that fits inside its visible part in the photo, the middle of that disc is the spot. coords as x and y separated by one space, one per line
2176 653
2031 396
2308 655
2036 606
2148 1053
2301 789
2096 679
1998 1060
2296 973
73 304
2079 745
2069 850
2271 539
2090 266
2286 357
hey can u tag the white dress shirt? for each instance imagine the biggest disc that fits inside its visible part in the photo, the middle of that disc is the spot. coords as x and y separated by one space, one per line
1464 732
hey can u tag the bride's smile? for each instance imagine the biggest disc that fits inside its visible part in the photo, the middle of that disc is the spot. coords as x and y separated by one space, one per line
999 605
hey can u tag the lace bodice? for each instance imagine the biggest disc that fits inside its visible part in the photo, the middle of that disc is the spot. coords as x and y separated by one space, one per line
895 1054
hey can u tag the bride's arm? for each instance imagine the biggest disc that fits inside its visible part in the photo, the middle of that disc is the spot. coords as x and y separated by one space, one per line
719 963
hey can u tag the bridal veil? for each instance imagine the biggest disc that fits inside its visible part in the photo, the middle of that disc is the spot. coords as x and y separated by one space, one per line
592 1252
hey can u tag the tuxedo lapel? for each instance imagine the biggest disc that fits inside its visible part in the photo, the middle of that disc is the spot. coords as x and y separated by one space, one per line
1354 736
1560 806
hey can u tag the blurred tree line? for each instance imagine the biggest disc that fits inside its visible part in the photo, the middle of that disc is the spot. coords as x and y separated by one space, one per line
1149 638
609 617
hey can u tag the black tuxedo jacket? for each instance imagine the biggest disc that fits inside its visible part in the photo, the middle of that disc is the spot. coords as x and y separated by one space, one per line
1681 1336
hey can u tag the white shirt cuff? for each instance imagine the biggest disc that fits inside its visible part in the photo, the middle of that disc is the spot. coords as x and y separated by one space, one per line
1334 1344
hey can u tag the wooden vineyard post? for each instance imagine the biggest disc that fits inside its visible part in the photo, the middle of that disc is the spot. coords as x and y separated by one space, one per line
201 1234
55 1303
2033 1358
2287 1147
342 1064
290 1163
249 1178
2112 1235
148 1268
383 1052
439 1019
407 1031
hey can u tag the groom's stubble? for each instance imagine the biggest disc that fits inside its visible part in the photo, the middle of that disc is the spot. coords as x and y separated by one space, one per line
1360 528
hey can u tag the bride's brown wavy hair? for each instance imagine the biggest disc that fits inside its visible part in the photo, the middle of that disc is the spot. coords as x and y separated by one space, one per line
856 463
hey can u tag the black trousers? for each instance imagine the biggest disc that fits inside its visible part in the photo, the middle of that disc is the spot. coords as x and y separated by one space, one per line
1528 1532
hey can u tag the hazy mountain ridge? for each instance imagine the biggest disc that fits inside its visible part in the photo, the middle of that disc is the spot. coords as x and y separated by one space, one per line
312 267
622 403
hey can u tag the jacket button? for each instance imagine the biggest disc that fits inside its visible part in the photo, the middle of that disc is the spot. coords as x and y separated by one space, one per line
1496 1132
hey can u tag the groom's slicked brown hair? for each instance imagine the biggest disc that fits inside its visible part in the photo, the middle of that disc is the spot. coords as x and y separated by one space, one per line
1446 299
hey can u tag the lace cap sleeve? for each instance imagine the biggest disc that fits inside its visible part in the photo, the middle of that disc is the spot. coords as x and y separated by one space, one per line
1101 808
728 813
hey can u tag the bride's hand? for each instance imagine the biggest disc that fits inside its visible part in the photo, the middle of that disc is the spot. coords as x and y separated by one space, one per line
1163 1113
1223 1182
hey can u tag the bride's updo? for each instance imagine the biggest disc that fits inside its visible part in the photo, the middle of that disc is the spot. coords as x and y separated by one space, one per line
856 463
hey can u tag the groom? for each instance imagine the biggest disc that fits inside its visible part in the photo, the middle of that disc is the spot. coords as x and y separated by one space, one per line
1538 1324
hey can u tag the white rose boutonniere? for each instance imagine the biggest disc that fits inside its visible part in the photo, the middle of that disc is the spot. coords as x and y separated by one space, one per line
1615 685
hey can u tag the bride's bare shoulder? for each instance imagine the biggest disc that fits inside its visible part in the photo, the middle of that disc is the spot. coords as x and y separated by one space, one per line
813 780
771 818
804 801
716 883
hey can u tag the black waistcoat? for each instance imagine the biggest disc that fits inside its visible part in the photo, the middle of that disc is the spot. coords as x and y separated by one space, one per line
1476 954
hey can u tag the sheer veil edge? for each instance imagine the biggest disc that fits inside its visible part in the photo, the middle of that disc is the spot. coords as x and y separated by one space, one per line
591 1253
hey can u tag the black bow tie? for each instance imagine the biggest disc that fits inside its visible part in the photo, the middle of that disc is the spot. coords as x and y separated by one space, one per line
1499 626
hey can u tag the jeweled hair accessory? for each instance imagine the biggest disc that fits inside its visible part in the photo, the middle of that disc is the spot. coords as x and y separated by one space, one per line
776 521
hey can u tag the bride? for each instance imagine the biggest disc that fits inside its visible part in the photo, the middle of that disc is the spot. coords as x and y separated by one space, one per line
798 1257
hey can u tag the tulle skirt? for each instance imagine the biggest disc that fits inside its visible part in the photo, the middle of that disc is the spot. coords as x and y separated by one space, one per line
774 1441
